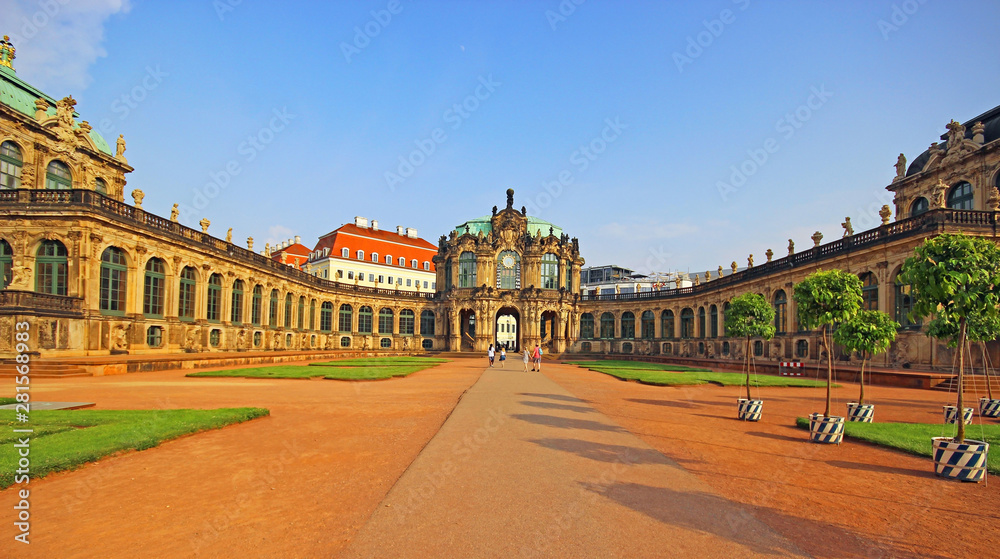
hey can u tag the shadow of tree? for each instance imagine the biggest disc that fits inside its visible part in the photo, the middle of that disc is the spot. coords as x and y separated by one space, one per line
605 452
668 403
926 474
552 406
558 397
567 423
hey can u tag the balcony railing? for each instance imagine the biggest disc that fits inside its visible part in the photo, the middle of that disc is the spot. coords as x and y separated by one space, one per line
30 302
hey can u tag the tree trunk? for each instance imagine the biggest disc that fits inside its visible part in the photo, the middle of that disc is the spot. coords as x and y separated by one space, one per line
986 373
960 435
861 398
829 369
748 367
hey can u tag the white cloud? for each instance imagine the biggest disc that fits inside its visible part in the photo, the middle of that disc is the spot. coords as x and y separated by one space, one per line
277 234
647 231
58 40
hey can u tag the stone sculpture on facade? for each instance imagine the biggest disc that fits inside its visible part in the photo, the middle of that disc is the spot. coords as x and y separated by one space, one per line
885 213
848 228
204 224
137 196
817 237
174 212
900 167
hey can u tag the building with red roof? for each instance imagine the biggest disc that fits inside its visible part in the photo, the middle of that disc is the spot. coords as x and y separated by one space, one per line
291 252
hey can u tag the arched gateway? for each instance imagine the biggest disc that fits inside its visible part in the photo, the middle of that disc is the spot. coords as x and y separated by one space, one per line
517 278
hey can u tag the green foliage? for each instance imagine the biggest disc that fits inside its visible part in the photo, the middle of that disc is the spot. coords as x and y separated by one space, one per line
824 298
868 332
750 315
955 277
5 401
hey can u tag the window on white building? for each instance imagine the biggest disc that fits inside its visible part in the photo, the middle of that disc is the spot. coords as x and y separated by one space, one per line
425 285
408 284
345 252
402 261
371 278
427 265
350 274
413 263
361 255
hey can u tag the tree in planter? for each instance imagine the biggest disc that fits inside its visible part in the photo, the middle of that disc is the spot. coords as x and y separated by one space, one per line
823 299
868 333
750 315
956 278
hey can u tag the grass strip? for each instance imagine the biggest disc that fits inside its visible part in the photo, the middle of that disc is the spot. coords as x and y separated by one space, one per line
694 378
307 372
5 401
380 361
915 438
619 364
66 439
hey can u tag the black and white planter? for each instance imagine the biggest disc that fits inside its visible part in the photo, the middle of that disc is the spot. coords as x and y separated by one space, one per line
826 429
965 461
863 413
951 415
989 408
749 410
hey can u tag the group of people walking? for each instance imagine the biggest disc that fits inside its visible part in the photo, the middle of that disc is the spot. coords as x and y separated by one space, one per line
535 357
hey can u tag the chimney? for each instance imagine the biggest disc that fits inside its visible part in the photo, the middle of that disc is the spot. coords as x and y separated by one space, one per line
289 242
400 230
361 222
411 232
374 225
284 244
298 240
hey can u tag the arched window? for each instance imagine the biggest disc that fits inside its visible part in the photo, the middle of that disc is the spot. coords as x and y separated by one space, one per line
919 206
701 322
375 257
903 302
326 317
288 310
413 264
345 253
312 314
154 284
725 309
960 197
50 268
427 323
780 312
467 269
365 320
550 271
869 291
406 321
58 176
361 255
713 315
607 326
302 313
802 349
402 261
447 274
509 270
272 311
114 280
687 323
628 325
346 318
213 307
185 294
648 325
385 321
427 265
100 186
587 326
236 309
10 166
667 324
255 306
6 262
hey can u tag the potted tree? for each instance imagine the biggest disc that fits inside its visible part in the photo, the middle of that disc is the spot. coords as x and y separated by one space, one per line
868 333
824 299
749 315
978 329
956 278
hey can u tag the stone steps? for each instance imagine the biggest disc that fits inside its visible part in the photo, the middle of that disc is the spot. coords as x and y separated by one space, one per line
8 368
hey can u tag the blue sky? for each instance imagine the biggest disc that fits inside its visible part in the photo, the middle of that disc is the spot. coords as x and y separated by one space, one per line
303 111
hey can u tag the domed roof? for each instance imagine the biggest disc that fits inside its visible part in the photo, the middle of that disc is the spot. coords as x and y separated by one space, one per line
991 131
485 224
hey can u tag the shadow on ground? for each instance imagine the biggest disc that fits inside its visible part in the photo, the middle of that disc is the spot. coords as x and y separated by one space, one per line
567 423
605 452
552 406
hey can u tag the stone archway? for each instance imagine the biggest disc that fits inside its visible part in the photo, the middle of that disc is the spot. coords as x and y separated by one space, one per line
507 329
467 329
548 330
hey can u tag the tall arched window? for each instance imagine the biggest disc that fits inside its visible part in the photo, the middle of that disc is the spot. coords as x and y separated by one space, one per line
701 322
272 314
385 321
345 252
375 257
154 288
903 302
185 294
255 305
10 166
427 323
302 313
713 316
607 326
365 320
869 291
725 310
550 271
687 323
447 274
100 186
628 325
648 325
667 324
587 326
406 321
509 270
326 317
58 176
413 264
213 305
288 310
114 281
6 263
361 255
780 312
467 269
402 261
919 206
312 314
345 318
50 268
960 197
236 309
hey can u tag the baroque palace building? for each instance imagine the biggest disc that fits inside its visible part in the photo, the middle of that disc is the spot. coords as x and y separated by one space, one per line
97 276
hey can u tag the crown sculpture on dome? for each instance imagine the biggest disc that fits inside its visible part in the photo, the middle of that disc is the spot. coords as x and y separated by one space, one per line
7 53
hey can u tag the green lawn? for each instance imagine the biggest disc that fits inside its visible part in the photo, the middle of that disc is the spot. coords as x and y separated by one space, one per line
619 364
915 438
5 401
66 439
384 361
696 377
377 372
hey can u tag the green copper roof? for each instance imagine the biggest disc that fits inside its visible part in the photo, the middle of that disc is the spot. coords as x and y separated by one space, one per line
20 96
485 224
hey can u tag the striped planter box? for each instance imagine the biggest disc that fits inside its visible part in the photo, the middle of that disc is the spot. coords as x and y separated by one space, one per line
749 410
827 430
863 413
989 408
965 461
950 415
